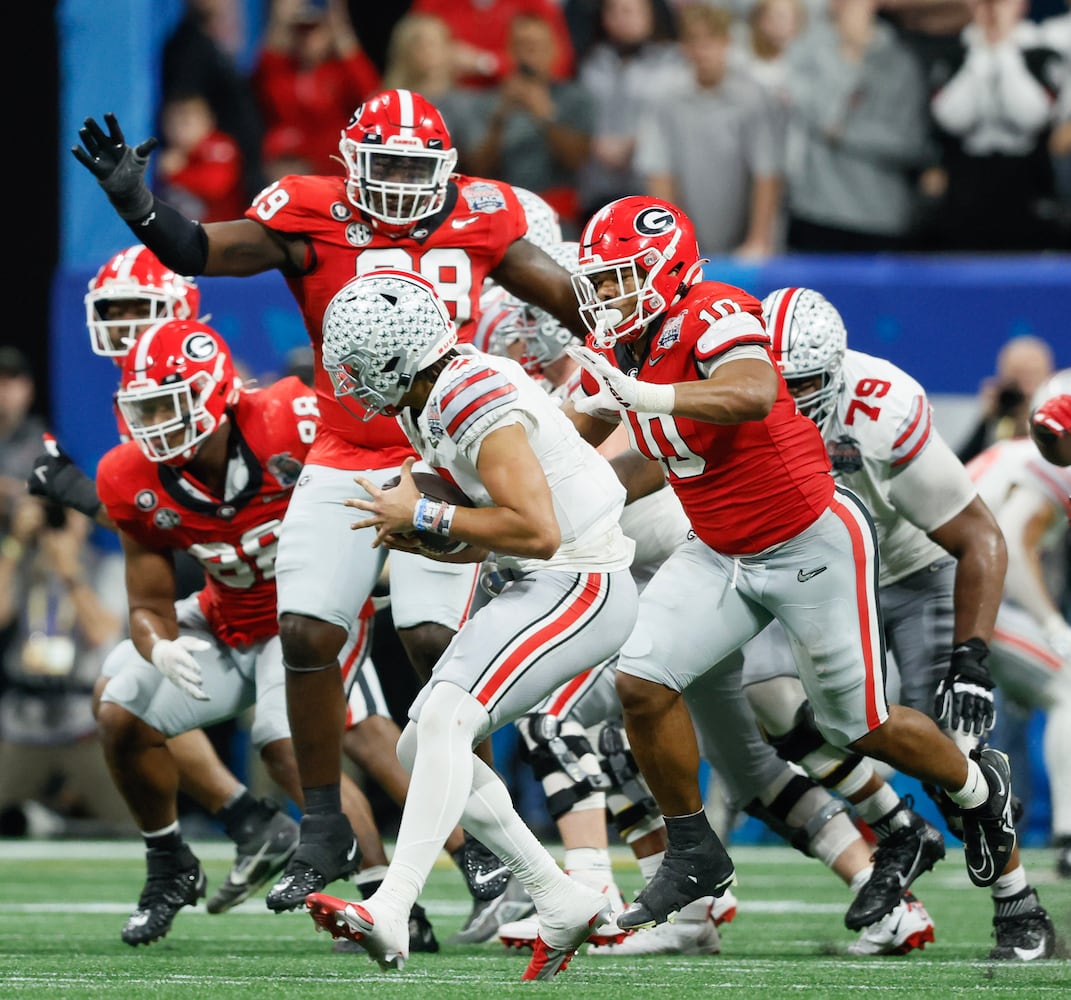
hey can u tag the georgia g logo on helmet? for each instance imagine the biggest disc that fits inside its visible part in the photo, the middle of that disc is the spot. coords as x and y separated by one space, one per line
654 221
199 347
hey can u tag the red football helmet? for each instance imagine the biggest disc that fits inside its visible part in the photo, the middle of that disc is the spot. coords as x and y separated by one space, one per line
398 158
647 248
130 293
178 383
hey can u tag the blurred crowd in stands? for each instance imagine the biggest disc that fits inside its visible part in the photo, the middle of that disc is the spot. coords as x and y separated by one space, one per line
778 125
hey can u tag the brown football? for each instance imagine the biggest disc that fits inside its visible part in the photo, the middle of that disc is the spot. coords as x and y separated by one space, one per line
435 487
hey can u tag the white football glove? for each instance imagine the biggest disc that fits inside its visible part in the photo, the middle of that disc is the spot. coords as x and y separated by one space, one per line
172 658
618 391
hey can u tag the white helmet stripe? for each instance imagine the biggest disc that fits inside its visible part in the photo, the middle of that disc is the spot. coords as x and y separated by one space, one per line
141 350
405 111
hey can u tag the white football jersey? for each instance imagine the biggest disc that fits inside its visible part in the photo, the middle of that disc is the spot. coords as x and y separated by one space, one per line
1008 464
883 446
477 393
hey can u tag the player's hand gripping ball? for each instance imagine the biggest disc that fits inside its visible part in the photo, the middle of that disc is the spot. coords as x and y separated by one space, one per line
435 487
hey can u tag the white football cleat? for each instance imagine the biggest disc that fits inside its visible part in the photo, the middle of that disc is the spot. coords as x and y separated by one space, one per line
523 933
723 908
385 940
906 928
564 930
679 937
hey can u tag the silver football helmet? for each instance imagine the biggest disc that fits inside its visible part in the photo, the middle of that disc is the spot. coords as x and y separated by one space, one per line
379 331
544 229
542 338
809 341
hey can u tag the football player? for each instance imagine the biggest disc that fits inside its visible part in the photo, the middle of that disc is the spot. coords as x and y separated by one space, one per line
209 471
1031 650
548 506
941 572
576 747
399 205
686 364
129 294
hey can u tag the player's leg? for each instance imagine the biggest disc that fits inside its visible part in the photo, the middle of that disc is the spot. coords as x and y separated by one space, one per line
324 574
840 660
139 709
587 615
1030 672
678 638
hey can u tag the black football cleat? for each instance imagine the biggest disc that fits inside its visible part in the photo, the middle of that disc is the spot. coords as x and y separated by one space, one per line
175 879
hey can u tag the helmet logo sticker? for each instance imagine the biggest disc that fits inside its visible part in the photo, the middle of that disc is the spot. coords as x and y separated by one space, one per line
654 222
199 347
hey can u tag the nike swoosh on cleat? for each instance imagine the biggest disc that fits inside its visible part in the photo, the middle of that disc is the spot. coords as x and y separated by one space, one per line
352 852
482 878
239 875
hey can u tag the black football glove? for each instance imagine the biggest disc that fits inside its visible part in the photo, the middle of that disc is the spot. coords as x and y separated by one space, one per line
964 701
119 168
56 477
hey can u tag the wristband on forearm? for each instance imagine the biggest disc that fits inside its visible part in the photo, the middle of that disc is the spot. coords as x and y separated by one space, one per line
434 516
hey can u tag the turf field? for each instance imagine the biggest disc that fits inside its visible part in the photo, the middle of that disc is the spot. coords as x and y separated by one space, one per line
62 905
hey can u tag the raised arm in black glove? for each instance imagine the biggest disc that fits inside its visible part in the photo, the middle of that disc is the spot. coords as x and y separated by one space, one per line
964 701
119 168
56 477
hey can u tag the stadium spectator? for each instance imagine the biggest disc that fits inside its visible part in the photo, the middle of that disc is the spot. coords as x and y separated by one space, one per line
200 166
859 134
530 130
20 429
633 61
64 599
719 125
772 27
311 73
421 58
199 57
993 106
1023 364
481 36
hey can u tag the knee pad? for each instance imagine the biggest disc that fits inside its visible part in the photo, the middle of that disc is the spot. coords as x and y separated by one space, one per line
805 814
805 745
629 801
563 761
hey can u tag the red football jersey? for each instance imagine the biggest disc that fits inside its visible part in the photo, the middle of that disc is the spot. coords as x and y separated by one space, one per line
454 249
745 486
235 539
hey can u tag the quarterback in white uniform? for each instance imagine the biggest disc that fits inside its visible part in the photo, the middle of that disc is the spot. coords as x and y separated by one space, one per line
942 562
547 505
1031 658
